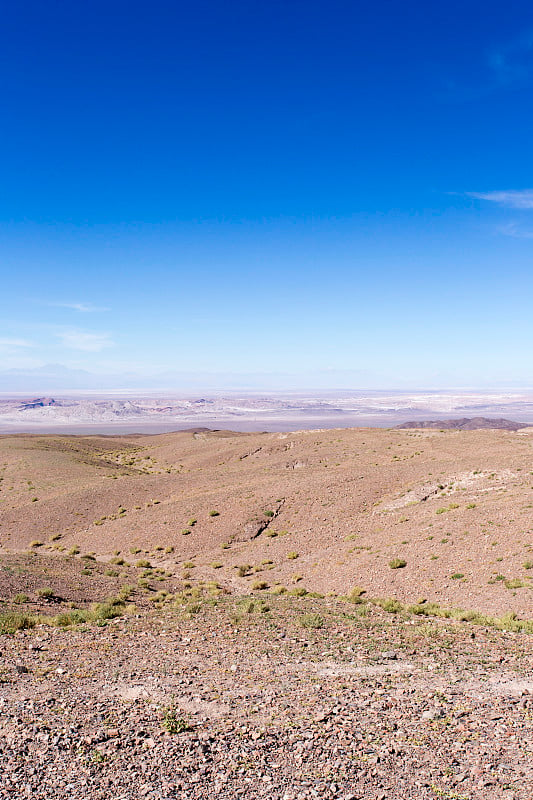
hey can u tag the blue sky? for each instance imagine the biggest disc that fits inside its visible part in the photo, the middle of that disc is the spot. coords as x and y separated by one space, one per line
283 194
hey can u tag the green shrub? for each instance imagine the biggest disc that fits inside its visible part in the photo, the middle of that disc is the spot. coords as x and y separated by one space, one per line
397 563
174 724
355 595
14 621
311 621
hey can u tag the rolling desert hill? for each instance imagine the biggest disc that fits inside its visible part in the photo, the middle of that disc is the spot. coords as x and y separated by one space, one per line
217 614
320 510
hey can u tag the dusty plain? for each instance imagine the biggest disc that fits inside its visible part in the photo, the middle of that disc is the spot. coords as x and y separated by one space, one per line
329 613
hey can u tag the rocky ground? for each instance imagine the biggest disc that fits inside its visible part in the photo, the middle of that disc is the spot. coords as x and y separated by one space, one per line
180 617
266 697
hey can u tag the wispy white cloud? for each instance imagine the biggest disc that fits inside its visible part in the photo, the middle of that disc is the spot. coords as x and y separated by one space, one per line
10 343
83 308
515 231
85 340
511 198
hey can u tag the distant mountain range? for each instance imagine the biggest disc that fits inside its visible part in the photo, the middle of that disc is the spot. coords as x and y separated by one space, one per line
467 424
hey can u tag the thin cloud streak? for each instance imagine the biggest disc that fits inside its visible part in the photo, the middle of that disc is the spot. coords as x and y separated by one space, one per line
83 308
511 198
515 232
15 343
83 340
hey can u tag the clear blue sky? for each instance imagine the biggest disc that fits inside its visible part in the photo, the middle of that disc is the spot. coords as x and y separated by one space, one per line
277 193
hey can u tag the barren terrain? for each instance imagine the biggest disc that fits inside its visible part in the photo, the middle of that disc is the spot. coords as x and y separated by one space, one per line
248 411
327 613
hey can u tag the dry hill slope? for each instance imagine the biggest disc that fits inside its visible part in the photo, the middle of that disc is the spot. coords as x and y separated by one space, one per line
322 510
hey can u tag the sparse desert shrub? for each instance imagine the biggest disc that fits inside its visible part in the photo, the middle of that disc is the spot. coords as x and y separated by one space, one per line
111 573
251 605
355 595
269 513
441 510
16 621
169 549
311 621
74 551
397 563
243 569
186 532
514 583
36 543
214 513
143 563
135 550
457 576
192 522
259 585
45 593
216 565
471 505
67 618
172 723
55 537
292 555
110 609
388 604
528 564
299 591
279 590
89 557
117 560
188 564
21 598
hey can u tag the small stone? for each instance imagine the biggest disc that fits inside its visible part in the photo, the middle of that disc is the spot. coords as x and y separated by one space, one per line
432 713
21 669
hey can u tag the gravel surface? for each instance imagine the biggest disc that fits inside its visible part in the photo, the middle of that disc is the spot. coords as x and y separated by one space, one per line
308 699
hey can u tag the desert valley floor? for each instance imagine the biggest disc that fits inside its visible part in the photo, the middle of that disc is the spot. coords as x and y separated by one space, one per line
327 613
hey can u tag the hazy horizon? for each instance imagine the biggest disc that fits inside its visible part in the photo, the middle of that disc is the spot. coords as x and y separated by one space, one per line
157 412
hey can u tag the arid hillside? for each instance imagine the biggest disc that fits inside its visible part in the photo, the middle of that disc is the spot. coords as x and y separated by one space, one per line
418 515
